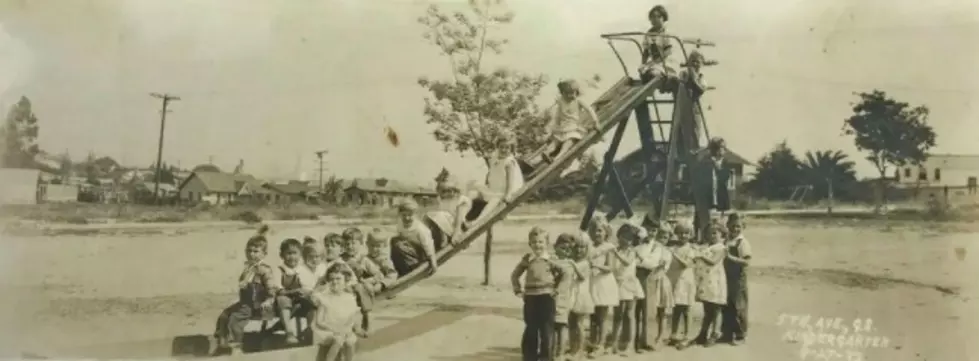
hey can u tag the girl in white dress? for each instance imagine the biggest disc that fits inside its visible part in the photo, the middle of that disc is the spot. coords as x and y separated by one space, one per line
624 268
504 179
604 289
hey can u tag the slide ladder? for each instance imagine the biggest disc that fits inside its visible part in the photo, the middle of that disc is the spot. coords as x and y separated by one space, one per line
659 165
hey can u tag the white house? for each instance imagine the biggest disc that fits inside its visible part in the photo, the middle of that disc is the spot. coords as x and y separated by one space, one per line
952 175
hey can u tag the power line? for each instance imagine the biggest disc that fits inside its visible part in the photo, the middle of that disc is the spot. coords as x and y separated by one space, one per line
166 98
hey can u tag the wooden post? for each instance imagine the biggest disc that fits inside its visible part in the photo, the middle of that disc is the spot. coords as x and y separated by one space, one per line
487 251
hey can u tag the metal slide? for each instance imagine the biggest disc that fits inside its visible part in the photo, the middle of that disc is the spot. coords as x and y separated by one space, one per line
612 108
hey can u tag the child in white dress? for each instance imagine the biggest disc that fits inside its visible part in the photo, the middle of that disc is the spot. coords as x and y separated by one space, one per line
604 288
336 322
624 268
503 180
568 118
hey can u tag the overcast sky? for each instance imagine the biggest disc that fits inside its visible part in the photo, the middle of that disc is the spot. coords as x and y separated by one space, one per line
273 81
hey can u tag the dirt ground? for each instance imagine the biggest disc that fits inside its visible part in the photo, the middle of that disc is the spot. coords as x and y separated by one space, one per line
916 282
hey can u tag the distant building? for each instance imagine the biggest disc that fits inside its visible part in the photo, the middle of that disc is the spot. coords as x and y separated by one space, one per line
292 191
213 187
19 186
382 192
631 168
943 175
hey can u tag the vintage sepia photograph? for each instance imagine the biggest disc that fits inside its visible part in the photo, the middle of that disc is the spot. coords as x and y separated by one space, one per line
489 180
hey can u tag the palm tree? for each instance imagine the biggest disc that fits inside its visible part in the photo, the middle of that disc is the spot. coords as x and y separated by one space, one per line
824 167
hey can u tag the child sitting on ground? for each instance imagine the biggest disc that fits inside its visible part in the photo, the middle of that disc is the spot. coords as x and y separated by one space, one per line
297 284
365 270
379 251
257 286
336 322
568 118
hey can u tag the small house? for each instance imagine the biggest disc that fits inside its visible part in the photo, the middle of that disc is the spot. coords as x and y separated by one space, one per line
212 187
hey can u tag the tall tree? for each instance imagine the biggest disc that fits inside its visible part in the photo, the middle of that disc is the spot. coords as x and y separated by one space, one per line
471 110
823 169
892 133
777 174
19 136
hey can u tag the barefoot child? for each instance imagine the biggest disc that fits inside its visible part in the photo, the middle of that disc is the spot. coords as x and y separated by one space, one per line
366 271
293 300
712 283
540 276
564 295
604 289
735 325
681 273
583 305
568 118
335 325
257 287
624 269
379 252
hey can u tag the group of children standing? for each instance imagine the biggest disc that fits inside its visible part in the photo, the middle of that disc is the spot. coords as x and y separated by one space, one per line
650 272
329 283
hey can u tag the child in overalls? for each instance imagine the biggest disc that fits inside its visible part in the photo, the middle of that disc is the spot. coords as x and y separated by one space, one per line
297 284
257 286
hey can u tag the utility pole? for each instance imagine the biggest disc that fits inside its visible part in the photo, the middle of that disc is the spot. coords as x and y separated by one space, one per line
319 155
167 98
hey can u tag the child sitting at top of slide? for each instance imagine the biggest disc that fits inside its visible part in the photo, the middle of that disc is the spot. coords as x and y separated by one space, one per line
656 49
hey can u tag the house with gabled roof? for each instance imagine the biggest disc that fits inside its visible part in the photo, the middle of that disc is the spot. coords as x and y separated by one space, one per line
383 191
216 187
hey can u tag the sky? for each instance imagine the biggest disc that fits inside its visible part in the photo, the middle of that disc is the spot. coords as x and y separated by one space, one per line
271 82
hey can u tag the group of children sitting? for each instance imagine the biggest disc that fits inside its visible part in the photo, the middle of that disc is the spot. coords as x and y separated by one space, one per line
650 270
329 283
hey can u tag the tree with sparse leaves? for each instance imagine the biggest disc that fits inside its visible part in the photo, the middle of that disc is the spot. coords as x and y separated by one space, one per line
892 133
478 106
19 136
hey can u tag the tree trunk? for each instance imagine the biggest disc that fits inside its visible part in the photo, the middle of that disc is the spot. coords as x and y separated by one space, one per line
487 256
882 186
488 246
